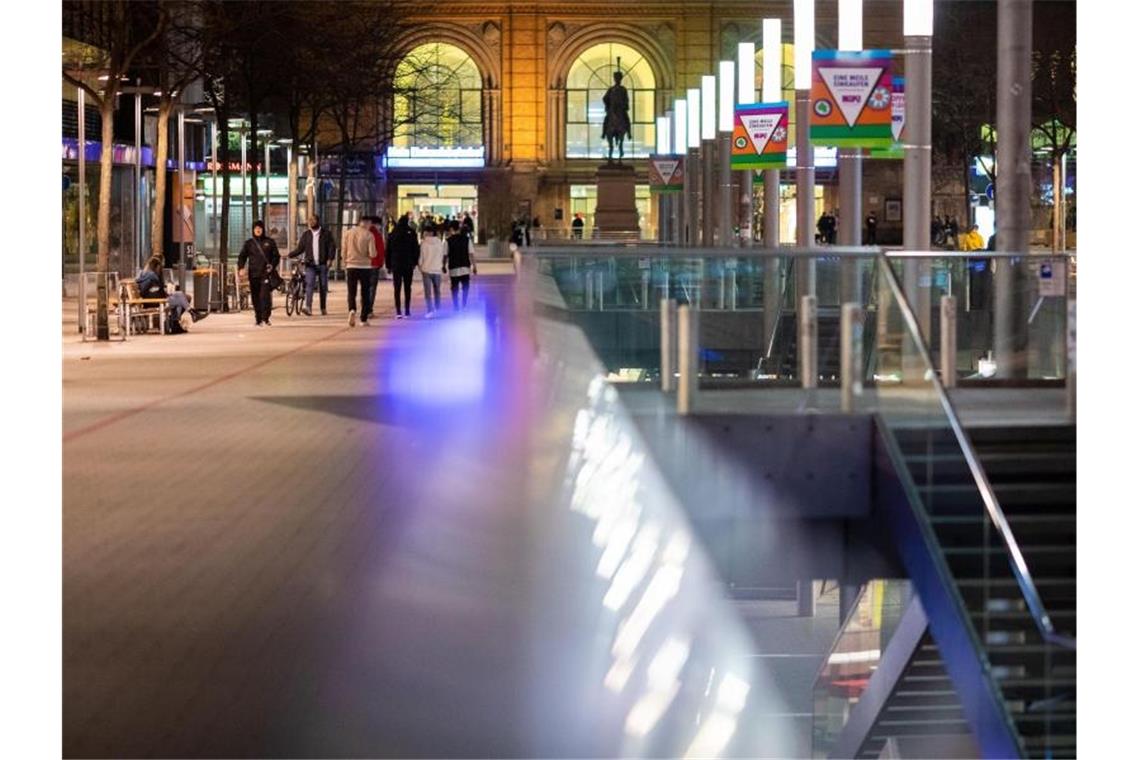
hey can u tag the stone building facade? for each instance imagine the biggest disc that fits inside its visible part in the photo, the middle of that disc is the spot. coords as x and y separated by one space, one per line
538 152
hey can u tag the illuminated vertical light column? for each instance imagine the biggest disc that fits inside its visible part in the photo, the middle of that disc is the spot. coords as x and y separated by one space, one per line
693 166
770 93
726 80
708 159
664 148
850 166
804 32
918 29
680 148
746 93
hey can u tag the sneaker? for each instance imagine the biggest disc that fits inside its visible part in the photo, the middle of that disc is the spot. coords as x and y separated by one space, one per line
307 312
399 316
186 320
324 313
268 323
429 315
352 319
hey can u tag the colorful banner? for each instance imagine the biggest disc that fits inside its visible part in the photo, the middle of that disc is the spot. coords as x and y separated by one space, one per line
898 121
760 137
851 96
666 174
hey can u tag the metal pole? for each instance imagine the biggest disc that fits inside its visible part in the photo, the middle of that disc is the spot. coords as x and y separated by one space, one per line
850 224
138 204
82 211
850 355
181 199
687 327
291 204
745 179
244 192
726 187
668 347
916 191
265 214
693 197
809 332
949 343
1015 35
1071 356
1064 201
214 193
708 183
805 196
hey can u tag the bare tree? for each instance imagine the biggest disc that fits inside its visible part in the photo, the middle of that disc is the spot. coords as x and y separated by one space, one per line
117 33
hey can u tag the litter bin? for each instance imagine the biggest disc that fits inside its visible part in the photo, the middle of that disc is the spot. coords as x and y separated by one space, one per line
203 279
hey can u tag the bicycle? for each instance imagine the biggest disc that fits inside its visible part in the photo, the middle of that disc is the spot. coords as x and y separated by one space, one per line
294 289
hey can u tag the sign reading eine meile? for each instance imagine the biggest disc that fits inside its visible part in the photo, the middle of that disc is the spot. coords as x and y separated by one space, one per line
760 136
851 98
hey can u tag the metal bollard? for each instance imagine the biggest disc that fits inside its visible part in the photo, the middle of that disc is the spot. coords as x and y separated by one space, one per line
668 343
687 339
850 355
949 342
808 338
645 288
589 289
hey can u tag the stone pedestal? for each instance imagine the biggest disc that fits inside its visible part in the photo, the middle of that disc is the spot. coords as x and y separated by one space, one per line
616 213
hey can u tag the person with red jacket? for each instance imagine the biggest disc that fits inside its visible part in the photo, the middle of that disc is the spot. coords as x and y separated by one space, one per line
376 225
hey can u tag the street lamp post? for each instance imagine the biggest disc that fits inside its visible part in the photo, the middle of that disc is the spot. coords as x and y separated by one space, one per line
186 247
708 162
771 87
918 30
82 211
725 115
745 93
804 30
663 148
244 189
850 166
680 115
693 166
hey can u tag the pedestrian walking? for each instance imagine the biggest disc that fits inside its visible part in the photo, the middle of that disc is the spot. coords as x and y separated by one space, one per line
359 249
403 253
317 249
459 263
468 225
577 226
261 256
432 251
375 226
872 229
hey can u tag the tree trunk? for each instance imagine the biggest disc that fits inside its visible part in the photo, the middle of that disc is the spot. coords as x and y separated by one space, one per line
103 254
1058 194
254 207
224 229
162 150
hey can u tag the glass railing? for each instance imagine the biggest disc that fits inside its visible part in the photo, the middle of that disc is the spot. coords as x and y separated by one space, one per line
746 305
854 657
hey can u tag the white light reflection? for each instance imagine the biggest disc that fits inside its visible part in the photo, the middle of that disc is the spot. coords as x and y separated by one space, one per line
633 570
716 732
417 376
664 683
664 586
619 673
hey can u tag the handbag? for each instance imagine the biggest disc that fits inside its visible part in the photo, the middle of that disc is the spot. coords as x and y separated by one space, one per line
274 278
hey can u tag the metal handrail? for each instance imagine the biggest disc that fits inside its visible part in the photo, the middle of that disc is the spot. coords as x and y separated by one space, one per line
997 516
596 248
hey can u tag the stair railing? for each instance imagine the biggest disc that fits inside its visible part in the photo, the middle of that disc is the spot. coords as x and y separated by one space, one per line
989 497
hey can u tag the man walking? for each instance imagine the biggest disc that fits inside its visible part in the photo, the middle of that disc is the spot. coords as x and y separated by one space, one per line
403 254
872 229
317 248
359 250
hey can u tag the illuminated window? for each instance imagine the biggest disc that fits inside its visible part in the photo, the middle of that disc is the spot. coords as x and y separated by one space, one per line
590 76
438 109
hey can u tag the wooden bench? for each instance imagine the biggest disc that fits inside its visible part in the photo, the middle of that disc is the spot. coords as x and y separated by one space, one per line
136 308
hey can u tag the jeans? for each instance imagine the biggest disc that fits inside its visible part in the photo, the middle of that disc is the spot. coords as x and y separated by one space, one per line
312 274
402 280
361 278
431 284
463 281
262 296
374 282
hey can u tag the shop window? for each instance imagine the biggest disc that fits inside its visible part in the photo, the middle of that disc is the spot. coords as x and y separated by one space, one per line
589 78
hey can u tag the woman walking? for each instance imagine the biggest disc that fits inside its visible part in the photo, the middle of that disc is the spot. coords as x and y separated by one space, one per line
459 263
432 251
403 255
260 252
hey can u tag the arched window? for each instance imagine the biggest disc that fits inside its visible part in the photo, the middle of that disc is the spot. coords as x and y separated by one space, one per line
589 78
437 109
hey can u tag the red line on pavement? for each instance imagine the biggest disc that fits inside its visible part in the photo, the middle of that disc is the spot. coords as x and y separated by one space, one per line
120 416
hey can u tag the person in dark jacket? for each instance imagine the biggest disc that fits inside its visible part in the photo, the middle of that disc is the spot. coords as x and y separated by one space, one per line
459 263
403 254
261 255
150 279
318 249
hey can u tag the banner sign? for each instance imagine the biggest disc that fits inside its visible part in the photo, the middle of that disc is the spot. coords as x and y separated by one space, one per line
898 121
666 174
851 95
760 136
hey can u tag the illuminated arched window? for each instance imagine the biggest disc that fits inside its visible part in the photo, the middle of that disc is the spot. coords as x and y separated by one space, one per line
437 109
589 78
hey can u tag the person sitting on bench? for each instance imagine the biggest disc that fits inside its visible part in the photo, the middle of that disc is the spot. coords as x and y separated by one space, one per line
150 279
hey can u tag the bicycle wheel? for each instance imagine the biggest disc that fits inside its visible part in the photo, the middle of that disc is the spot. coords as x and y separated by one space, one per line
289 303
